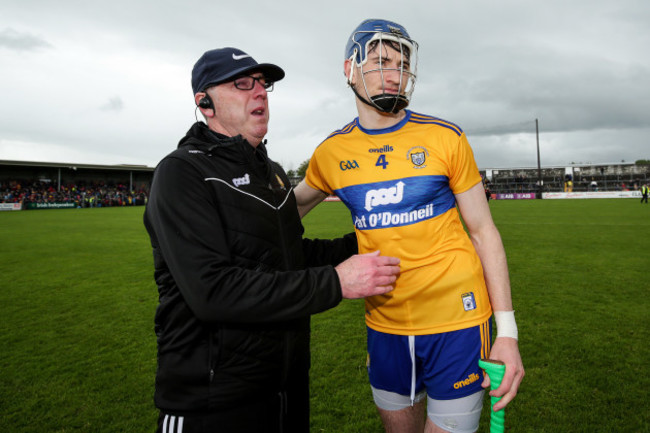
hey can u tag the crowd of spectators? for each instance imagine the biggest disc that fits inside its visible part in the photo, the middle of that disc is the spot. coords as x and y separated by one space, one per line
82 194
523 184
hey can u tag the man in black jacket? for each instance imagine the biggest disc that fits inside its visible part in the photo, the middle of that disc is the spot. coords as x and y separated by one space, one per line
237 282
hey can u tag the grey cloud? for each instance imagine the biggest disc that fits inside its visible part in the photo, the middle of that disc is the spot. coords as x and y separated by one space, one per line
13 40
113 104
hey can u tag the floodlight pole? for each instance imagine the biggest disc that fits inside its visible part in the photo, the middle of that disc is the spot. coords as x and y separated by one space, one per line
539 166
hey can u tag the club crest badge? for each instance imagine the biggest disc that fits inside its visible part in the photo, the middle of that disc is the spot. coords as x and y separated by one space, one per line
469 302
418 156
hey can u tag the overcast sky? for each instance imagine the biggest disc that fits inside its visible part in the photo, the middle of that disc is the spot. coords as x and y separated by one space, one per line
109 82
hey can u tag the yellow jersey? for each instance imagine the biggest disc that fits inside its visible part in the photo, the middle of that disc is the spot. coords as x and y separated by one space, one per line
399 185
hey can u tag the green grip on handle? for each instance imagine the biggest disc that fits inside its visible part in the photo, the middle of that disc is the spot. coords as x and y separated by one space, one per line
496 370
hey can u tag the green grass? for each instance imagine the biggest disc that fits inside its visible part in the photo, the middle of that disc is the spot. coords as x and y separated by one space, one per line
76 328
78 300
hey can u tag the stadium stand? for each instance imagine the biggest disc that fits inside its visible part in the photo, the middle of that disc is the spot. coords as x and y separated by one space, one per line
43 185
605 177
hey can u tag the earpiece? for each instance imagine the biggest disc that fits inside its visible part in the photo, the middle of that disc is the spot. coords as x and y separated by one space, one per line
205 102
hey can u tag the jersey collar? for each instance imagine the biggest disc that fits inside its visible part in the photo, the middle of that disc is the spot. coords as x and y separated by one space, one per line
393 128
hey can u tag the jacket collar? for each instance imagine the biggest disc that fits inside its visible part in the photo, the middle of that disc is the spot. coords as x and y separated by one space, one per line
202 137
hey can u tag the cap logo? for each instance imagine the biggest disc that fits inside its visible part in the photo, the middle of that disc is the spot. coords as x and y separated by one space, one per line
239 57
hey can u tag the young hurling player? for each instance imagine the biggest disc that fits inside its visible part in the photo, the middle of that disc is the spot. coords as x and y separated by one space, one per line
406 177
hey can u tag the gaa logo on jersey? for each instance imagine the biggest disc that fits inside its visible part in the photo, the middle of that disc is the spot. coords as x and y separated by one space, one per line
348 165
469 303
418 156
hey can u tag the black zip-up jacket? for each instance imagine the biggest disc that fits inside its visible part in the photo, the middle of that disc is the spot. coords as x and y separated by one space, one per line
237 282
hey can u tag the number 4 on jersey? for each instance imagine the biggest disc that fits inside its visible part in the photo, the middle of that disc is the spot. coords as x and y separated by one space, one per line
381 162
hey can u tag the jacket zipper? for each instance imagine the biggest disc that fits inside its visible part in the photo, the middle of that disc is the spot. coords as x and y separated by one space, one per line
287 337
283 409
210 367
211 356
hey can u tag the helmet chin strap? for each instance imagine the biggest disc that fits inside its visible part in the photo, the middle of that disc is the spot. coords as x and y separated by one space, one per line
390 103
384 102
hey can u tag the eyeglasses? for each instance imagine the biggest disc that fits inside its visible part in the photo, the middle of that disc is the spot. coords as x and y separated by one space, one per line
247 83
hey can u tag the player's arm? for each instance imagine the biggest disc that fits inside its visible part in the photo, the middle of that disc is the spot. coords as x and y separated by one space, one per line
487 241
307 197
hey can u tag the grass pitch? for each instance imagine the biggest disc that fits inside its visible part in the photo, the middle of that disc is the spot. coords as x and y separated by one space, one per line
78 299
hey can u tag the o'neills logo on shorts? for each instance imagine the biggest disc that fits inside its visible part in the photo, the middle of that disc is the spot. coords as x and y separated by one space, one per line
470 379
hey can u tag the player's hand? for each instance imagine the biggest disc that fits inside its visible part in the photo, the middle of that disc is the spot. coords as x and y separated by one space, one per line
505 349
367 275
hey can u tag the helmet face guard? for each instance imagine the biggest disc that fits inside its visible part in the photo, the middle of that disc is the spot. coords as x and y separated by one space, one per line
379 35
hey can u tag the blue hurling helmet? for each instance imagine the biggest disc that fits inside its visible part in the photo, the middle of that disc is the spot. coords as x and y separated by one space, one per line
396 36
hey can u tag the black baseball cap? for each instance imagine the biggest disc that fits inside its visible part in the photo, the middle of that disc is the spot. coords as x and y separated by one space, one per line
223 64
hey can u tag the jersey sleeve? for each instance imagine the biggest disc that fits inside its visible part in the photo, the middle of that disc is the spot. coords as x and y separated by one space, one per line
314 176
464 171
